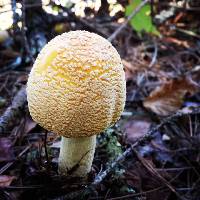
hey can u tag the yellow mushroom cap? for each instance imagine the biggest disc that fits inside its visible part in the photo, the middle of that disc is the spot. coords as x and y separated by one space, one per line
77 85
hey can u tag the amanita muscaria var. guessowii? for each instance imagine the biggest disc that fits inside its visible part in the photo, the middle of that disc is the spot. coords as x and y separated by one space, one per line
77 89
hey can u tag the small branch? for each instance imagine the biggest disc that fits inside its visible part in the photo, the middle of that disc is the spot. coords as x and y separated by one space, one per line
150 134
14 110
45 148
147 137
115 34
6 166
155 55
76 166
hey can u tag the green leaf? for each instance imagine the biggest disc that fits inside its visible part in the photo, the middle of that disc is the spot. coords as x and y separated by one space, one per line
142 21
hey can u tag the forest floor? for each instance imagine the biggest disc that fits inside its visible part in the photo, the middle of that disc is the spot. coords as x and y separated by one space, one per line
152 153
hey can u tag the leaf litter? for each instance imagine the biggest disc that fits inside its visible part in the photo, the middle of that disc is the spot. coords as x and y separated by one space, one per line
165 167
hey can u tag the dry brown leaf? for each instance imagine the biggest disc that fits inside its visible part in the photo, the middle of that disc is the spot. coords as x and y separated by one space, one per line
128 70
135 129
6 180
168 98
177 41
134 64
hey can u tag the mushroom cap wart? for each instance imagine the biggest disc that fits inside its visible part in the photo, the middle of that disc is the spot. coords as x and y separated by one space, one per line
77 85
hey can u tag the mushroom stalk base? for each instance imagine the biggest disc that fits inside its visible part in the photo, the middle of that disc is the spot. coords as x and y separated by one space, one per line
76 156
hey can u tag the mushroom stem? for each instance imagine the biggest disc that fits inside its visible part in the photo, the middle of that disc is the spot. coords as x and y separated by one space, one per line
76 155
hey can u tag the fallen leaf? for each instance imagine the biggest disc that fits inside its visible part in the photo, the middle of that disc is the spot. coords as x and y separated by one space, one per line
131 70
6 150
168 98
135 129
29 125
6 180
128 70
176 41
135 62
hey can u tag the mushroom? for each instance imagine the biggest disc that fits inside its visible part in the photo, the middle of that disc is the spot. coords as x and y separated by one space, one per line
77 89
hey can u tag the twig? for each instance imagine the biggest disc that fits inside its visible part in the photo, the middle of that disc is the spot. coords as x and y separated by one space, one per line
138 194
5 167
4 84
155 54
74 18
14 110
115 34
77 165
45 148
147 137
